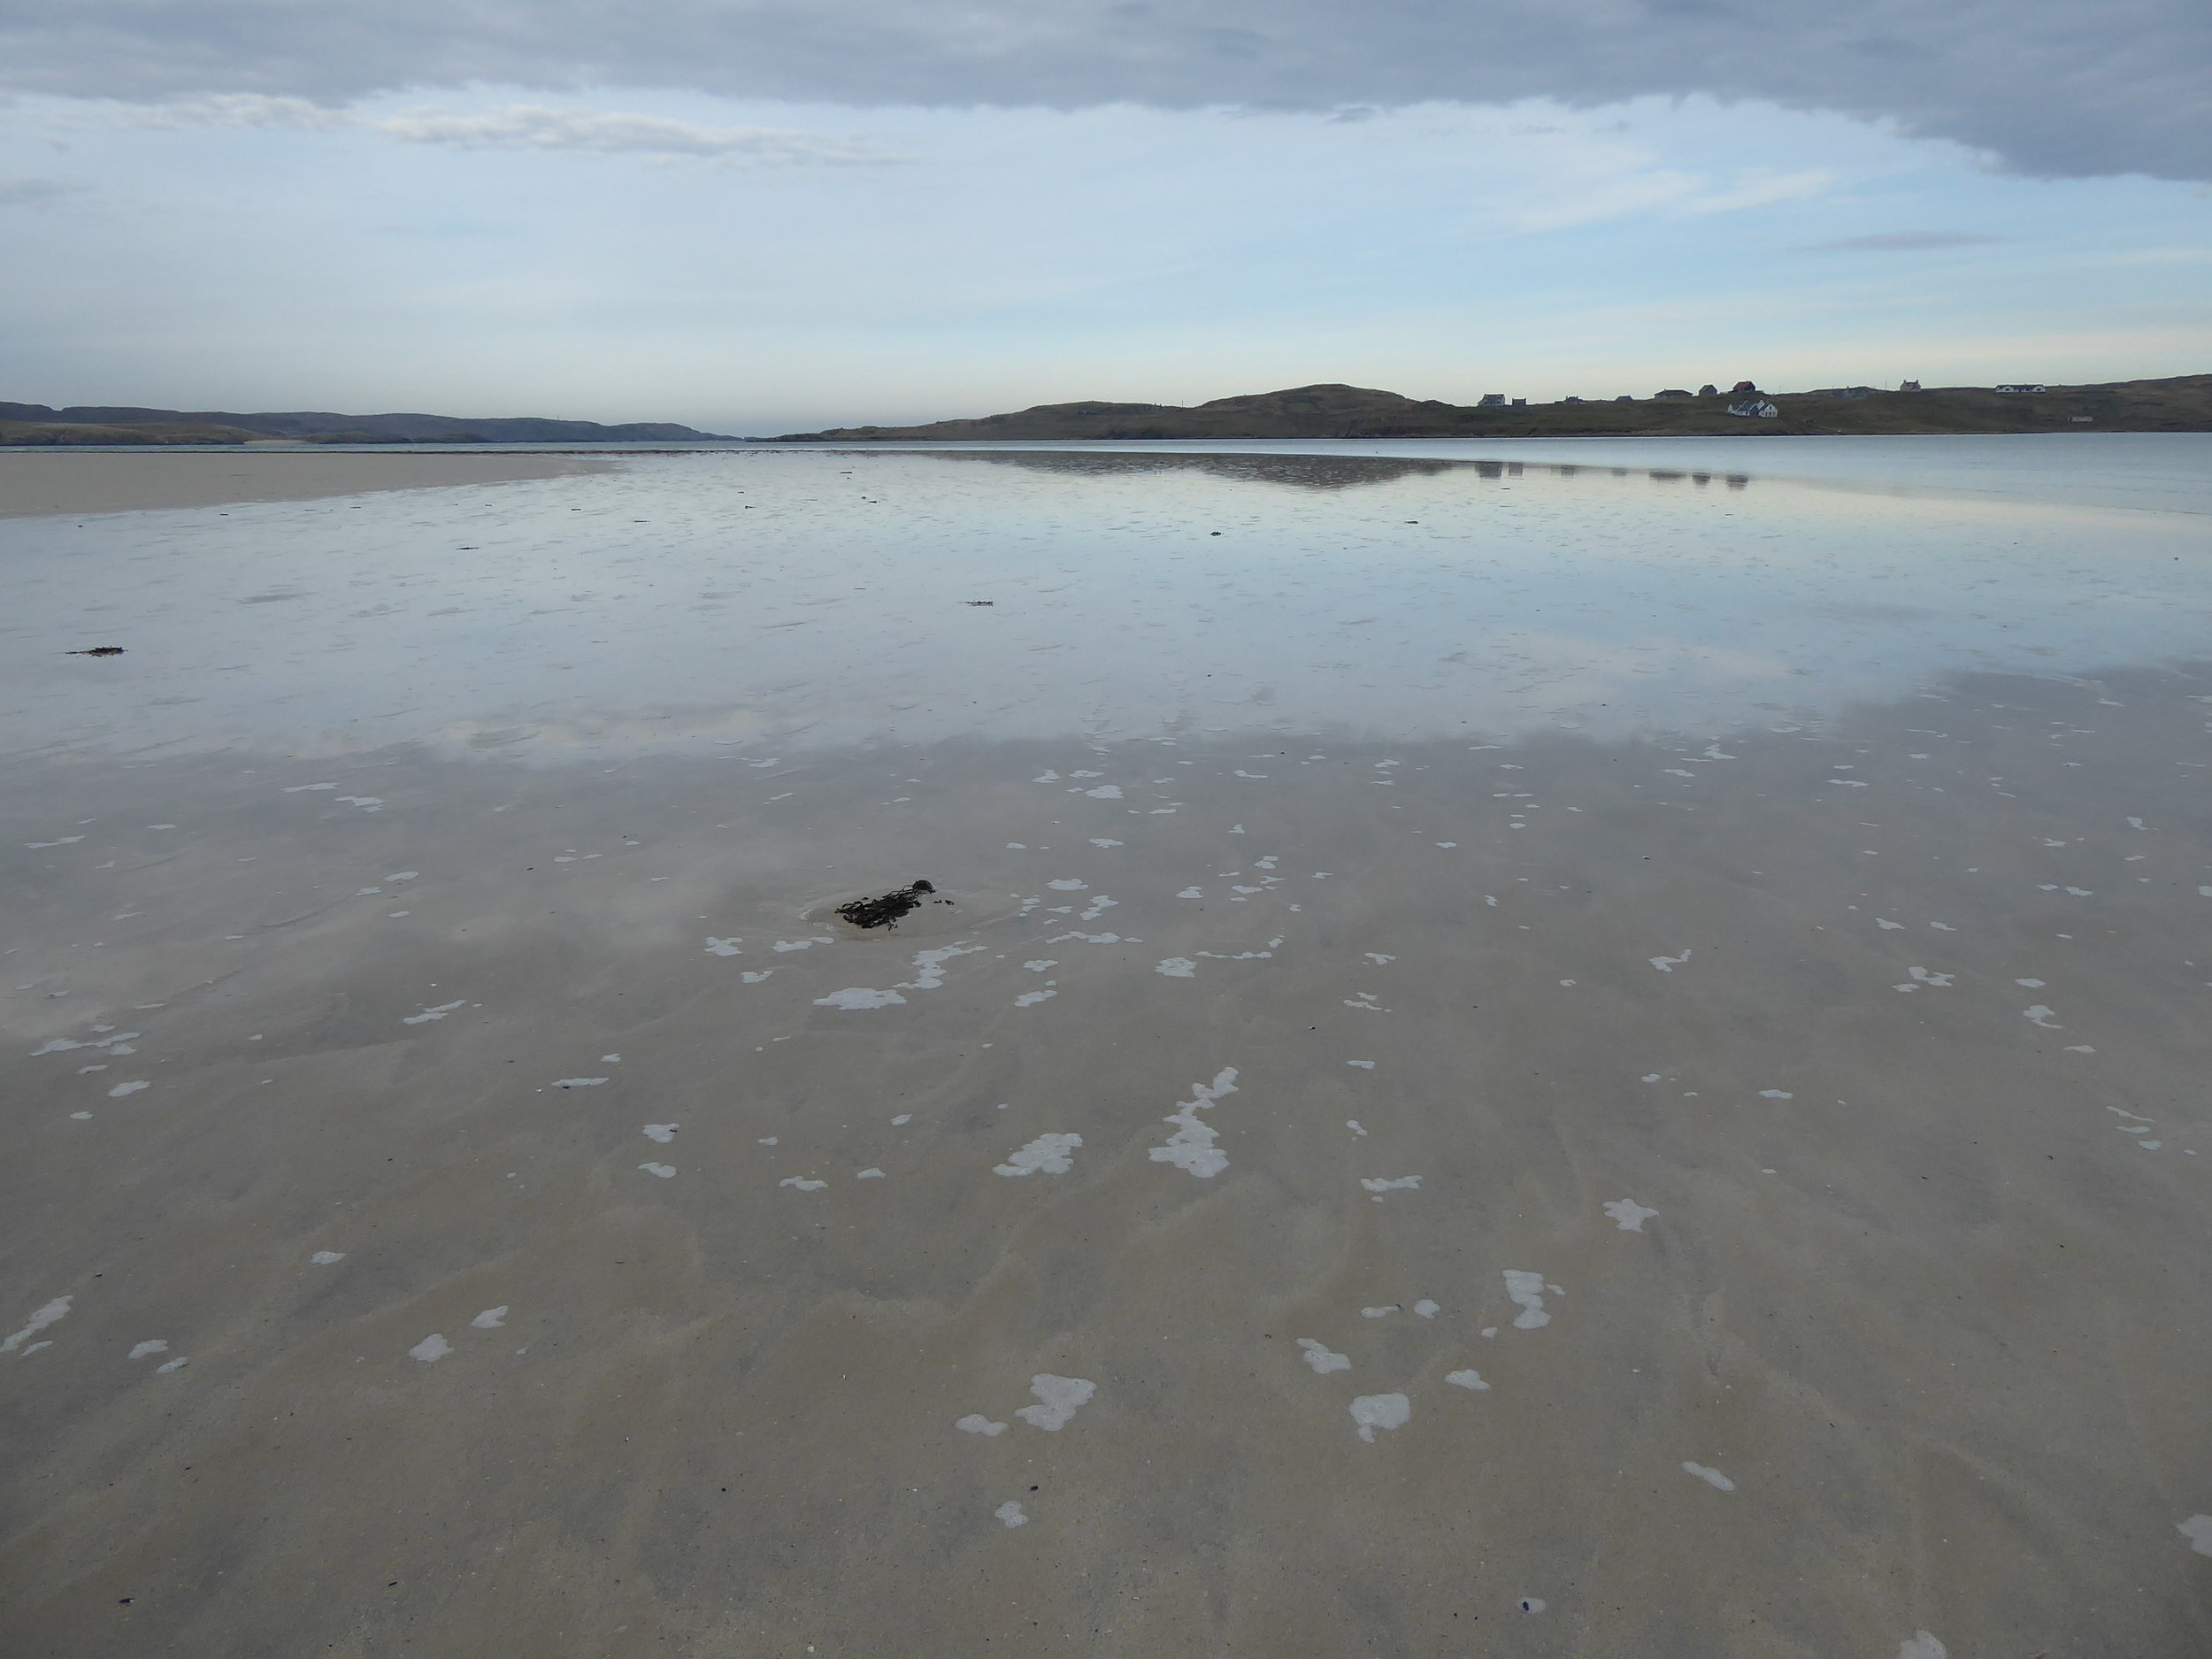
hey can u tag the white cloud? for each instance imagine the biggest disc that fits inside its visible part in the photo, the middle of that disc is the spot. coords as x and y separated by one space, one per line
526 127
596 133
1763 190
1902 242
252 110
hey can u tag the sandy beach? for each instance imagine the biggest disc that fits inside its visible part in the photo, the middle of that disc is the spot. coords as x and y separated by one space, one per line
39 482
1544 1063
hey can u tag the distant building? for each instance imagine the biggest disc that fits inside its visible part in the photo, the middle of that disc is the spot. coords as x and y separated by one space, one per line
1625 398
1492 400
1844 391
1520 403
1570 400
1754 408
2023 387
1909 386
2081 420
1709 390
1672 391
1740 387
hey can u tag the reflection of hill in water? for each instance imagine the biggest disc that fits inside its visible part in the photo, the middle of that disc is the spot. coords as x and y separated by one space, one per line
1301 471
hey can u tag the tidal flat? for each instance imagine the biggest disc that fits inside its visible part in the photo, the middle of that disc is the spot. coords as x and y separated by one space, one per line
1587 1057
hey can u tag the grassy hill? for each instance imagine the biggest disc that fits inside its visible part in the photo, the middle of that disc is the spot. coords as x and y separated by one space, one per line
47 434
2182 403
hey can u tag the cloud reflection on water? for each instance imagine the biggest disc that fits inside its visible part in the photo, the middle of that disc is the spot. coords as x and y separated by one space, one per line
706 603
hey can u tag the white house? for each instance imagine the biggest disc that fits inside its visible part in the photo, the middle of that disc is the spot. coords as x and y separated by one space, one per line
1754 408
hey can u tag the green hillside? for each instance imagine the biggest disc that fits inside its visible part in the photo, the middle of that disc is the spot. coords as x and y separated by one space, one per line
2182 403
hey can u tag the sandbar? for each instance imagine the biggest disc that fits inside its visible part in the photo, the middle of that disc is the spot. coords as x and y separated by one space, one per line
38 482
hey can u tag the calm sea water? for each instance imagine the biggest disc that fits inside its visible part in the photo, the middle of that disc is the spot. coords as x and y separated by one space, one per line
712 598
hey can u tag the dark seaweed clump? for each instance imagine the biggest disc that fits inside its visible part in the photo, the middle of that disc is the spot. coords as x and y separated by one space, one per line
97 650
885 911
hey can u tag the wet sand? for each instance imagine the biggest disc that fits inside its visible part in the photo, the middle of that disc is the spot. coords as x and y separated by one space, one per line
37 482
1732 1190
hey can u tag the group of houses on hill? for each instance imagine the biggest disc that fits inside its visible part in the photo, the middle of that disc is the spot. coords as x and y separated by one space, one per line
1748 402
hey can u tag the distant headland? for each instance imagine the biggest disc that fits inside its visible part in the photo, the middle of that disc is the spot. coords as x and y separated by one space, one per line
98 425
2181 403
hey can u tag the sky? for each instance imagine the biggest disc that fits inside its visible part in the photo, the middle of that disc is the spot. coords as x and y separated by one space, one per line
758 218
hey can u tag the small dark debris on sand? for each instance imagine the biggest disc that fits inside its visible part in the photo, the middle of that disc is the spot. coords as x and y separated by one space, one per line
885 911
978 602
97 650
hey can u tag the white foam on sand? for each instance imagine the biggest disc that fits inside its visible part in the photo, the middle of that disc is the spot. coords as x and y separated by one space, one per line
54 1311
930 966
1190 1147
1057 1400
1470 1379
1711 1477
1317 1356
1010 1513
1628 1215
1527 1289
976 1422
430 1349
1379 1411
856 997
1048 1155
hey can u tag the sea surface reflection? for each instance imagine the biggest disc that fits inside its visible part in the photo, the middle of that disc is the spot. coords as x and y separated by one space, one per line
812 597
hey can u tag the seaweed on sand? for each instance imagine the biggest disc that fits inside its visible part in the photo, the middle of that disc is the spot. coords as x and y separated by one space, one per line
885 912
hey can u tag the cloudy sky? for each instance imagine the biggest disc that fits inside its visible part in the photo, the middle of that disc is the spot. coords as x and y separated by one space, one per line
756 217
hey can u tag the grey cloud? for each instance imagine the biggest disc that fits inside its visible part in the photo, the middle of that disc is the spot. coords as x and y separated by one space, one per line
1902 242
2051 87
28 192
